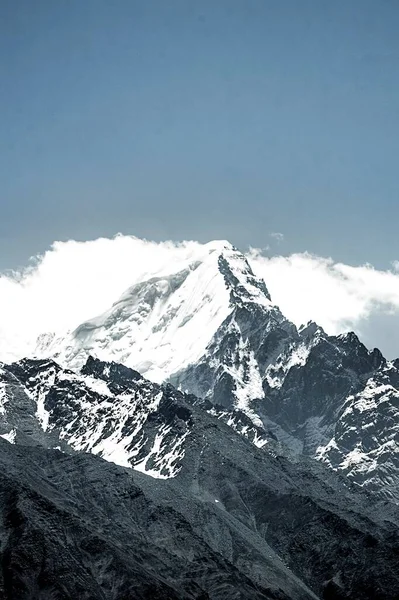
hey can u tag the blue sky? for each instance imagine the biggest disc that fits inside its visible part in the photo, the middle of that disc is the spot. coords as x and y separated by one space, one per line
201 120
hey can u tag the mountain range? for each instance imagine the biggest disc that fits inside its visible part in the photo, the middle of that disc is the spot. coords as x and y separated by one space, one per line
192 442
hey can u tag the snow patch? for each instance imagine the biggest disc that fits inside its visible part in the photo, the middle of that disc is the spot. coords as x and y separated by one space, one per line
276 373
10 436
163 462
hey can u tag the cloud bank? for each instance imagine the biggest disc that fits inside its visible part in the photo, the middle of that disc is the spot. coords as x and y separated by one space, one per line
74 281
338 297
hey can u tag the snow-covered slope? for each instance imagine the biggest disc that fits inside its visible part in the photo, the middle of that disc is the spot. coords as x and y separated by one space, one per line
365 443
20 419
159 325
163 325
108 410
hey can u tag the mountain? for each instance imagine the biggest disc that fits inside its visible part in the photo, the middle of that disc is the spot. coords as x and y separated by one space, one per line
193 443
213 508
159 325
211 329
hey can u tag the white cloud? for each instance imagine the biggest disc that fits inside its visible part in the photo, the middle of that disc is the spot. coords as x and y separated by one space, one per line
337 296
75 281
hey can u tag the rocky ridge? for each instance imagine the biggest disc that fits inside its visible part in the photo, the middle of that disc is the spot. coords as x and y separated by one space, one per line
221 515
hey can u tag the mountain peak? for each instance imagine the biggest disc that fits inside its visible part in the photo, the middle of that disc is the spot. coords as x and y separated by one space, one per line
219 246
163 323
310 330
239 278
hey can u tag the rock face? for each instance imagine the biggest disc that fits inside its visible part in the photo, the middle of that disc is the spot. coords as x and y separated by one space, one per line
212 330
224 514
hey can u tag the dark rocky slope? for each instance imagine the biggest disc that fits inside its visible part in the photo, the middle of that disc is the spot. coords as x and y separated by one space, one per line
234 520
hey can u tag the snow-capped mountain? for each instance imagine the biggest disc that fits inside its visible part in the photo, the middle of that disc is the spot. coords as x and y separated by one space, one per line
211 329
166 325
159 325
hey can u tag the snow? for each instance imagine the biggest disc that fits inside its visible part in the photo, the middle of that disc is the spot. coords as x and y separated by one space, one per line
114 447
233 421
161 325
157 326
163 462
106 436
241 270
248 380
275 373
258 441
348 451
298 357
356 457
38 388
100 427
97 385
367 399
10 436
322 451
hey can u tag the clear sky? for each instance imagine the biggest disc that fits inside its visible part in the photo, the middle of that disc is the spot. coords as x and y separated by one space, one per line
200 120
